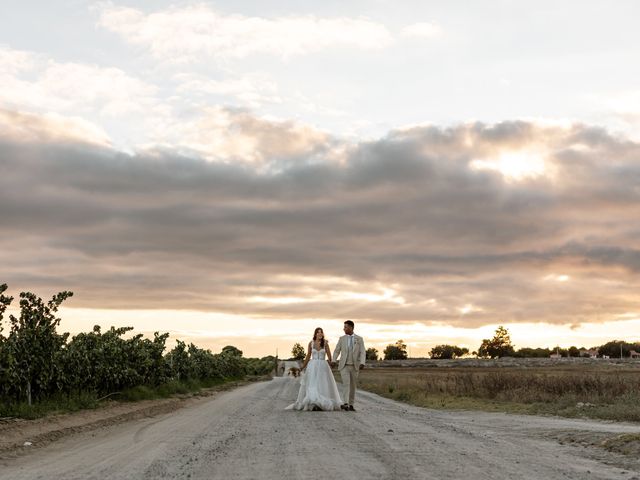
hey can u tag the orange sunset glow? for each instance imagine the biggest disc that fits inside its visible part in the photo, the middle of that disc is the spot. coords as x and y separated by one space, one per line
220 189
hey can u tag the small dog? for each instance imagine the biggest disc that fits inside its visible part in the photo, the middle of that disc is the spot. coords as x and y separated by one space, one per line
294 372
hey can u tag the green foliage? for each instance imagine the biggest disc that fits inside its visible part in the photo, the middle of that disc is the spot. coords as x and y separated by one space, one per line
396 352
615 347
297 352
372 354
107 362
7 360
499 346
527 352
573 351
260 366
137 393
38 366
34 343
178 360
59 402
231 350
5 301
448 352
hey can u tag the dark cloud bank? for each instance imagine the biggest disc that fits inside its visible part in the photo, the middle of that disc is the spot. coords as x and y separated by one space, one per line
406 213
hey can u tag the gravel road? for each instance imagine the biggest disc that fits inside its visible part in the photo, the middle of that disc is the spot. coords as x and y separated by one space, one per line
247 434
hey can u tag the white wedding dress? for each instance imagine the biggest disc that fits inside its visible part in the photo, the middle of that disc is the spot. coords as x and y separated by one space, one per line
317 385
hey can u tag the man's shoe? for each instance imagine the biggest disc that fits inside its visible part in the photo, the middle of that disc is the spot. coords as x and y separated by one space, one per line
344 406
351 409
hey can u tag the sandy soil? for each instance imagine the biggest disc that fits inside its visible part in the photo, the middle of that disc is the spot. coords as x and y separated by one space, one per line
246 433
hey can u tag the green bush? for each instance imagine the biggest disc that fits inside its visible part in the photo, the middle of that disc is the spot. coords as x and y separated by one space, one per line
40 368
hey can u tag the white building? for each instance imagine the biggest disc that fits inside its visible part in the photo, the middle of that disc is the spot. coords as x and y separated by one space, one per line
285 366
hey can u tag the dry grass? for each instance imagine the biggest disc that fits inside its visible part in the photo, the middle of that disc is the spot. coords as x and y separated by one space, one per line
627 444
572 391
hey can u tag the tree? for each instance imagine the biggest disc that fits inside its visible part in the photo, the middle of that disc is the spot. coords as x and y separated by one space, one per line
372 354
615 347
7 361
35 341
36 362
527 352
297 352
396 352
563 352
178 360
231 350
4 302
499 346
447 352
574 351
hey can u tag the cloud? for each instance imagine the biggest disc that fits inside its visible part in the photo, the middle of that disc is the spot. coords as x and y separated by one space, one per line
401 229
24 128
253 90
33 81
422 30
191 33
14 61
232 134
620 108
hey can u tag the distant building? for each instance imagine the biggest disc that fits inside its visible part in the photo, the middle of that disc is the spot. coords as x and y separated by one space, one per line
634 354
593 353
555 355
285 366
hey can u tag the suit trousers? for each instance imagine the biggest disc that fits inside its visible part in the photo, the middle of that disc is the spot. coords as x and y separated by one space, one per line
349 376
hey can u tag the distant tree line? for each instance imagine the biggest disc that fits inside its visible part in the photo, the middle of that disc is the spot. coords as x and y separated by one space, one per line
500 345
38 363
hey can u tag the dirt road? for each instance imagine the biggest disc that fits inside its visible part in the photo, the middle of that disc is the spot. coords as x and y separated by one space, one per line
247 434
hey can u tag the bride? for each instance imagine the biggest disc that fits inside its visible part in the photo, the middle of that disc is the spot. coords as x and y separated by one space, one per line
318 390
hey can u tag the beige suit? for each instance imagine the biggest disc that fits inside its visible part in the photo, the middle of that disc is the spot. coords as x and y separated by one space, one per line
349 364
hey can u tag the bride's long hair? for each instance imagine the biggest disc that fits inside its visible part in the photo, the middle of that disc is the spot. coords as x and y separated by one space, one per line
315 334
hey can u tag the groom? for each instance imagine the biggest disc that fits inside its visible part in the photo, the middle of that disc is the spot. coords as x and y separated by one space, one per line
350 349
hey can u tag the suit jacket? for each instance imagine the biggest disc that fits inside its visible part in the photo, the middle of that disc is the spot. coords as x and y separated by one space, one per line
359 351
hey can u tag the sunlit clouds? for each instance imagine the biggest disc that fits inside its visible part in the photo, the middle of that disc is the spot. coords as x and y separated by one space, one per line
557 278
228 134
29 128
515 165
185 33
245 172
37 82
405 230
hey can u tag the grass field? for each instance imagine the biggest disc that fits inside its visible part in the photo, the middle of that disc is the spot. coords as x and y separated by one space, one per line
83 401
581 390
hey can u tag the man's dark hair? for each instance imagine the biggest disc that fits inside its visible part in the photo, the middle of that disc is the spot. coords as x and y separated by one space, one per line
350 323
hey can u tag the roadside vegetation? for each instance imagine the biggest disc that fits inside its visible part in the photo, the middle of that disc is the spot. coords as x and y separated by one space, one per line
42 370
582 390
499 377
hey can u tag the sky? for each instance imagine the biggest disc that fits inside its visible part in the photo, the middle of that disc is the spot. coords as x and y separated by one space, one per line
242 172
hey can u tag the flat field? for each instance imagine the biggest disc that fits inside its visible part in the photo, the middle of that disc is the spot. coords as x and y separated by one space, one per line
595 389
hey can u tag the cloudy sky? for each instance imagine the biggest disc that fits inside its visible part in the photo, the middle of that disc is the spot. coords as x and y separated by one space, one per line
241 172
